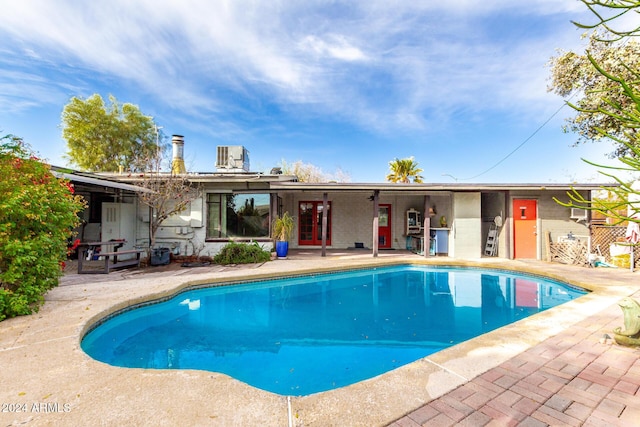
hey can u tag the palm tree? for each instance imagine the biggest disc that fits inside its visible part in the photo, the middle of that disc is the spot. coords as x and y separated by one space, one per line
402 170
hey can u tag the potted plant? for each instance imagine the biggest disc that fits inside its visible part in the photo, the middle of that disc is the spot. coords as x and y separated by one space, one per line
282 229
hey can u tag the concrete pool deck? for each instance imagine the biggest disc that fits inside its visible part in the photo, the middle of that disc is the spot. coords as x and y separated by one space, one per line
554 368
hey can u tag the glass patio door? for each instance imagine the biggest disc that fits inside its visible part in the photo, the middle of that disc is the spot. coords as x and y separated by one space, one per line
310 216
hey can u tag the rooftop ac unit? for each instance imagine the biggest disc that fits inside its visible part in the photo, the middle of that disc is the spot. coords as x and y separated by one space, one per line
234 158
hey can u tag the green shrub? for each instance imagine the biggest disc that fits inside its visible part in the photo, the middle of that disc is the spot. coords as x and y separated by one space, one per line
241 253
37 215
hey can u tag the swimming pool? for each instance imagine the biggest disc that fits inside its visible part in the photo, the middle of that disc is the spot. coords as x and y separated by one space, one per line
303 335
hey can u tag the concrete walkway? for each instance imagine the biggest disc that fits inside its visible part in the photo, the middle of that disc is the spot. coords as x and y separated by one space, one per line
553 368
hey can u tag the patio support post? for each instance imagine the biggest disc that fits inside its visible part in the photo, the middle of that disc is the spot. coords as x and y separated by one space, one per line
376 208
150 231
325 207
273 214
426 231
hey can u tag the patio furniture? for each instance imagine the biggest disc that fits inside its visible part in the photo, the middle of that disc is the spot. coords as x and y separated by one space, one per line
110 257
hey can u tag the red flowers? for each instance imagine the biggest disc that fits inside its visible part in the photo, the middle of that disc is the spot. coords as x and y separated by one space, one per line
73 246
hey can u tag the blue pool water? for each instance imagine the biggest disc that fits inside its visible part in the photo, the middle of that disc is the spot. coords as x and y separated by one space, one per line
303 335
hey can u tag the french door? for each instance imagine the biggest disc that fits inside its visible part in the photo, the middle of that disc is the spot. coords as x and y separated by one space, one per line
310 216
384 226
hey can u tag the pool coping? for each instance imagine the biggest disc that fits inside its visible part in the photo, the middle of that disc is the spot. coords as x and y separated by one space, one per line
49 366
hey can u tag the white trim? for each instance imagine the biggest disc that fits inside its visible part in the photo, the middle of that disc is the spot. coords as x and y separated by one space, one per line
101 182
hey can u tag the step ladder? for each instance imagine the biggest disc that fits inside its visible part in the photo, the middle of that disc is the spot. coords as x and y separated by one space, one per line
491 246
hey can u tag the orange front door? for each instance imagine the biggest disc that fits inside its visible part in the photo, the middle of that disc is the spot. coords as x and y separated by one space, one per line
525 232
384 226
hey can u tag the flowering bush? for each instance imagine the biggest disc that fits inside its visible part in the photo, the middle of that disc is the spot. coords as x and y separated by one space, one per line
37 215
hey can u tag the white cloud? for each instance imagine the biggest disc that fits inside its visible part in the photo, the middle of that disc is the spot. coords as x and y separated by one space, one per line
335 46
381 65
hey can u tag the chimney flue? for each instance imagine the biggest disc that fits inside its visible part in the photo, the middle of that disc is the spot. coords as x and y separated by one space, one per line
177 163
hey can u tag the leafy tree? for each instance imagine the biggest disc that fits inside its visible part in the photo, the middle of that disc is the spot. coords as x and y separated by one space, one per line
107 138
624 193
37 215
607 12
307 172
620 197
573 74
404 170
166 194
627 114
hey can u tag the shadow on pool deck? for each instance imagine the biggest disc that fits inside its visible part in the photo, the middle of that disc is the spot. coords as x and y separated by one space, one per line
554 368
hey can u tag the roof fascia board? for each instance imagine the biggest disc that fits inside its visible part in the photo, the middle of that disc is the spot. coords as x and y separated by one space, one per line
296 186
101 182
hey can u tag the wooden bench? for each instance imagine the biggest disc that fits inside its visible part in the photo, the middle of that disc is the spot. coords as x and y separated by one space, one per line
110 258
111 261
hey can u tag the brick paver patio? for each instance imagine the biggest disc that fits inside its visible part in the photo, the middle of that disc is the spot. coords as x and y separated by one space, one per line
580 377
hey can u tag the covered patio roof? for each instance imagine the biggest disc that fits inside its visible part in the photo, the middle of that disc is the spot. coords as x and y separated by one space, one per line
426 188
94 180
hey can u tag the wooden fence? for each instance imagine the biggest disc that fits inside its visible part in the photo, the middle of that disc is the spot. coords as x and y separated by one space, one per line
576 251
603 236
569 251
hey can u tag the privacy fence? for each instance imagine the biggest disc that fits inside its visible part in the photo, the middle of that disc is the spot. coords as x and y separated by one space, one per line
605 241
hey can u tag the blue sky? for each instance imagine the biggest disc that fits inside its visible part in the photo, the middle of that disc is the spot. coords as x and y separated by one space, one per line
458 84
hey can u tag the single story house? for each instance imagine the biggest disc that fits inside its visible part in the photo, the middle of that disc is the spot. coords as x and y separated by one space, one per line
457 220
